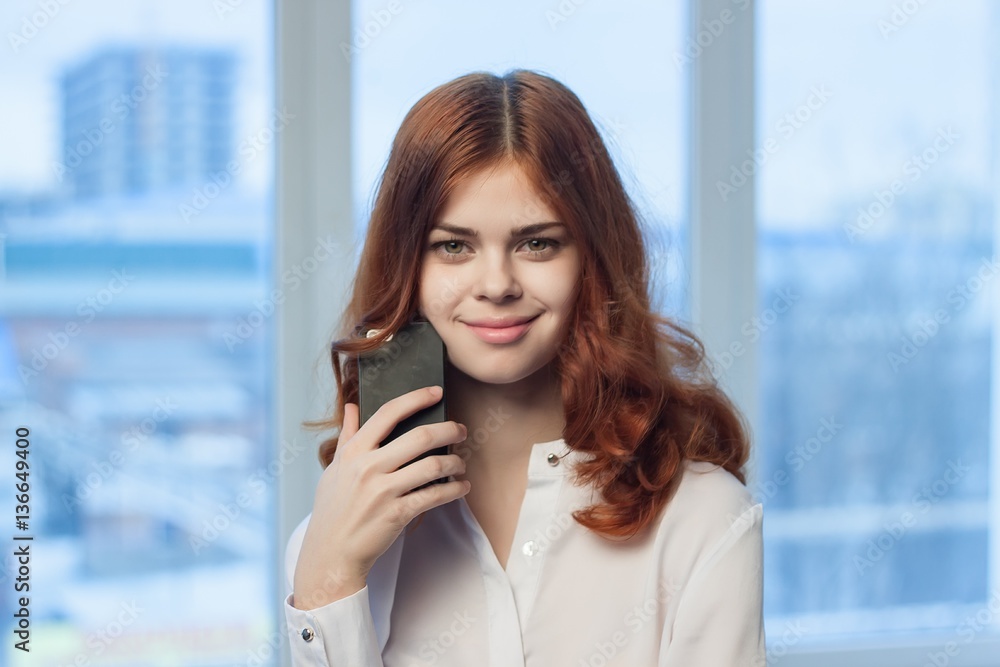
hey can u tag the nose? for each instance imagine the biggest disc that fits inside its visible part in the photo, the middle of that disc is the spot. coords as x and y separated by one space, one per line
496 279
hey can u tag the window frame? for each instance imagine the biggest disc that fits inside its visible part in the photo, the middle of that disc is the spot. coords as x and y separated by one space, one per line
313 81
313 200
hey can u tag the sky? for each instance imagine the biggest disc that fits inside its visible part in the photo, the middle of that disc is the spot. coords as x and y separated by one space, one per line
889 92
29 71
617 58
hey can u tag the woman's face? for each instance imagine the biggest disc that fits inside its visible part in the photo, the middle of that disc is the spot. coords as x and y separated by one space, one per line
499 278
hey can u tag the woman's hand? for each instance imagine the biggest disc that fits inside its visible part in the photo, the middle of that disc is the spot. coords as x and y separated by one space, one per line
362 500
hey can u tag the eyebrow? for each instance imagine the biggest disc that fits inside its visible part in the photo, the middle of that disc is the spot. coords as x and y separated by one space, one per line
534 228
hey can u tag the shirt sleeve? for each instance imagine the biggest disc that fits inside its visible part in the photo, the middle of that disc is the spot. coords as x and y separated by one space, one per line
339 634
719 619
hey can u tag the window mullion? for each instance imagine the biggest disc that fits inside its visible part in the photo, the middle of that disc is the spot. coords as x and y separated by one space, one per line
314 235
719 50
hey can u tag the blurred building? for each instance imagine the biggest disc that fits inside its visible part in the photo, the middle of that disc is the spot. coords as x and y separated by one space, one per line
118 290
137 119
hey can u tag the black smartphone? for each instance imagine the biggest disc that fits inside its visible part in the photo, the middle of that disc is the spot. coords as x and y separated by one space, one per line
412 358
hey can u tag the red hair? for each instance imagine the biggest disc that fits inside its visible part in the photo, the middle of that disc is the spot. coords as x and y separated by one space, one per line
637 392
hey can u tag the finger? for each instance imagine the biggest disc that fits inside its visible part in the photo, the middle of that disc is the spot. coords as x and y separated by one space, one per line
431 496
347 430
427 469
415 442
390 413
350 425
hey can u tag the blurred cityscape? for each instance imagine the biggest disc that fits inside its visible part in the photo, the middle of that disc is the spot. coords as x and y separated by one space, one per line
873 443
122 292
136 341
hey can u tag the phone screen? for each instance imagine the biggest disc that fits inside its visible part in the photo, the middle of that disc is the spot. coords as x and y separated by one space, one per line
413 358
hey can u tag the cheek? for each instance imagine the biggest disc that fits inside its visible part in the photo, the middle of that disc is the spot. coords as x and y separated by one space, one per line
569 291
561 288
439 292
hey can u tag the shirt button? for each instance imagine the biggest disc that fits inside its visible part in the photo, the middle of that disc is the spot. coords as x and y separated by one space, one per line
553 460
308 634
530 548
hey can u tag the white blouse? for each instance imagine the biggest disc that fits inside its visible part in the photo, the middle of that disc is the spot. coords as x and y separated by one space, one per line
685 593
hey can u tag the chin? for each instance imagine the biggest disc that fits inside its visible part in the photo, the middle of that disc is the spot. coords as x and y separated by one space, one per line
501 372
488 374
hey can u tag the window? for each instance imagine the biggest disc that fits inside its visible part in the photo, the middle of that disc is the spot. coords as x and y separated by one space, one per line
134 348
877 198
632 85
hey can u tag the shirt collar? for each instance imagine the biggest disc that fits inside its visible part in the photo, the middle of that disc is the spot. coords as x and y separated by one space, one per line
552 459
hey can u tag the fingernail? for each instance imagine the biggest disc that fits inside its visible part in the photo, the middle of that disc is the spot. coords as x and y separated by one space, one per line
436 390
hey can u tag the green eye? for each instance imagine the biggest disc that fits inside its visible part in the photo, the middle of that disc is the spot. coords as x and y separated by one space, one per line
550 246
442 248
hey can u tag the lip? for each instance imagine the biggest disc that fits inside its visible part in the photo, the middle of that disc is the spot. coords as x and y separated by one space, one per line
500 329
499 322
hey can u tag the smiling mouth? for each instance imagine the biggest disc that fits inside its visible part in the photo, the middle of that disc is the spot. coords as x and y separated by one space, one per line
501 322
502 334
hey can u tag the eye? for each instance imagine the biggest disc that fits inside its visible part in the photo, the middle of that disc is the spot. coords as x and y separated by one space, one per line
446 247
549 245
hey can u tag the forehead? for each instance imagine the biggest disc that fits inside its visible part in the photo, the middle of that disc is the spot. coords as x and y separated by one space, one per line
497 198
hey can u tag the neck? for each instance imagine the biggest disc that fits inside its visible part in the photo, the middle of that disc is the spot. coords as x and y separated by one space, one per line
504 420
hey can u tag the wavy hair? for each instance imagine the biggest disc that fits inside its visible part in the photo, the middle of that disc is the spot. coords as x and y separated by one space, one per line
637 391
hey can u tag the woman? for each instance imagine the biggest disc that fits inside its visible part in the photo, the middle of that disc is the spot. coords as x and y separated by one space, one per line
596 512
